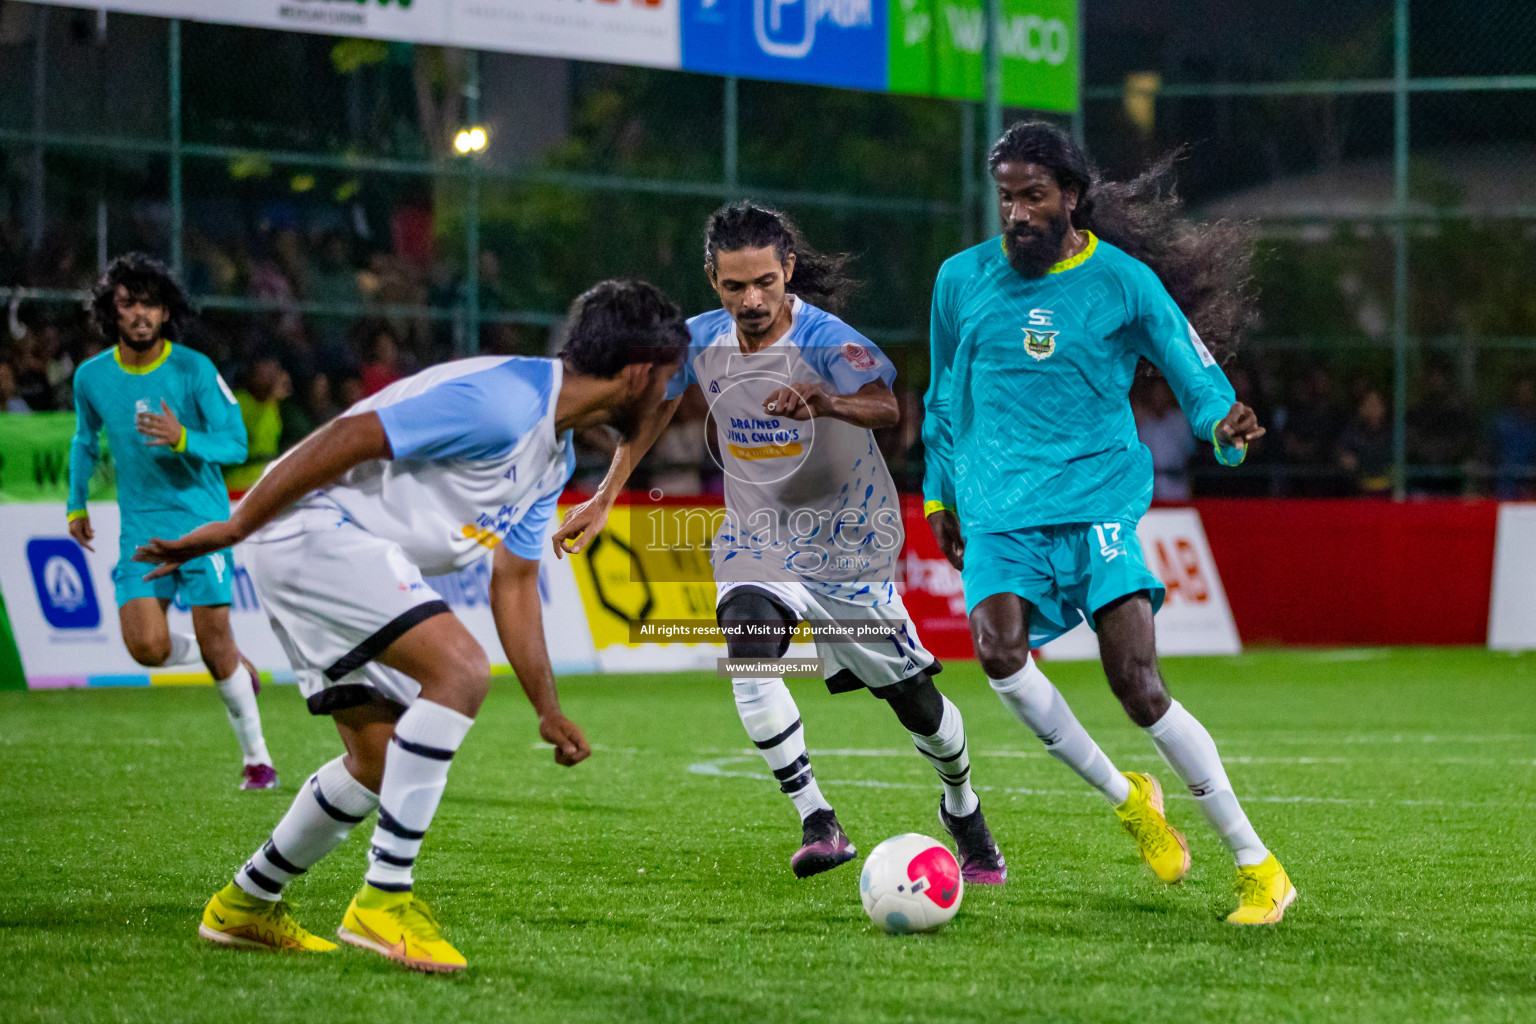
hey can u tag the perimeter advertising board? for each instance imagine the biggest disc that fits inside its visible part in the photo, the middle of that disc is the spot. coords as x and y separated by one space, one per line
63 615
923 47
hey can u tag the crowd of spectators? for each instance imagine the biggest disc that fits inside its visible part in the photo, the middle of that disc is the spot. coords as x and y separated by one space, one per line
1331 434
342 320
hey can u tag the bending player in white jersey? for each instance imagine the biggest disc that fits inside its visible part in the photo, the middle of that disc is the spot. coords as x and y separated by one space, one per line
462 461
813 521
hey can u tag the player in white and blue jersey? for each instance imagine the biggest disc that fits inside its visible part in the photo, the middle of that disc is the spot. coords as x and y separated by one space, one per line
812 525
460 462
1035 479
171 422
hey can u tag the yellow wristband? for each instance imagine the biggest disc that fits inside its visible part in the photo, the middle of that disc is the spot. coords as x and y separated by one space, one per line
930 507
181 443
1241 449
78 513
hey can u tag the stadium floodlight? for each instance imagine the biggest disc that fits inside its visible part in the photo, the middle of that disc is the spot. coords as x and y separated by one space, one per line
470 140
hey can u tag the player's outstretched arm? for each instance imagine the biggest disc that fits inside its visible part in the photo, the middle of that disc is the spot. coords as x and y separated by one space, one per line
585 521
520 623
872 406
319 459
84 452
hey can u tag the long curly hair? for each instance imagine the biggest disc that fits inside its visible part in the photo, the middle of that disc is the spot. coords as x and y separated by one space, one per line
1206 268
145 278
821 279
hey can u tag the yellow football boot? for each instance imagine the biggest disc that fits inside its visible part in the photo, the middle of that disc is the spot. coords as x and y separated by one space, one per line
1263 892
235 918
1162 846
400 927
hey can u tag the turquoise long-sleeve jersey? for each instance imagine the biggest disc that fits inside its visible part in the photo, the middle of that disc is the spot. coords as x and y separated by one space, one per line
161 484
1028 421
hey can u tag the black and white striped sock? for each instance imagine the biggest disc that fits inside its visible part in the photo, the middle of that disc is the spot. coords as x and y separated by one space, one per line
945 750
321 816
415 774
772 722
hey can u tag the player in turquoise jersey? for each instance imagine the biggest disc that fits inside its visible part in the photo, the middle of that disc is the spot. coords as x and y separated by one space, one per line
171 423
1035 479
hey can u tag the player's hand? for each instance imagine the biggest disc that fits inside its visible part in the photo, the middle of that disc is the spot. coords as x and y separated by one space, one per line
570 743
580 526
159 429
799 401
946 530
172 554
1239 427
80 529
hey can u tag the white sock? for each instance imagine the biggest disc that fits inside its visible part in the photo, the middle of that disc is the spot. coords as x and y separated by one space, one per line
415 774
945 750
327 807
239 696
1191 753
184 649
1039 705
772 722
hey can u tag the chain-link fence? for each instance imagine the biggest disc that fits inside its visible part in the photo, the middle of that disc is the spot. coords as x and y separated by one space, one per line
307 189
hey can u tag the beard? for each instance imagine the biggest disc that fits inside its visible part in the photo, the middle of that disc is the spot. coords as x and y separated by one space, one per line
138 346
1033 253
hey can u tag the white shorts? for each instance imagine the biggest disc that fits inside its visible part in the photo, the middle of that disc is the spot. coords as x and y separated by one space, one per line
851 665
337 596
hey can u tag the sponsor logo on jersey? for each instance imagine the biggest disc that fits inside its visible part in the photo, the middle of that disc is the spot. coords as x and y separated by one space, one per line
63 583
1040 344
859 357
714 387
771 451
1206 359
1041 318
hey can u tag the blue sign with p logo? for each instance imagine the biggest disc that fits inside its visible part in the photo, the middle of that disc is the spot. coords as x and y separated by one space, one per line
824 42
63 582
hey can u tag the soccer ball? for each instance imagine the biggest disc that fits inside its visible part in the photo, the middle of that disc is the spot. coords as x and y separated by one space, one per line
911 883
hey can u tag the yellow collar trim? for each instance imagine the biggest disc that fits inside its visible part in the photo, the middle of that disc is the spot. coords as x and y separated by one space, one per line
1075 261
138 371
1080 258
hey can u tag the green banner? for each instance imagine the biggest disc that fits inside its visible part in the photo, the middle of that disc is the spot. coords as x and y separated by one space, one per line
936 49
34 459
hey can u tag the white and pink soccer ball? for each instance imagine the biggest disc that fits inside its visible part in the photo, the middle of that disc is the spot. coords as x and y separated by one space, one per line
911 883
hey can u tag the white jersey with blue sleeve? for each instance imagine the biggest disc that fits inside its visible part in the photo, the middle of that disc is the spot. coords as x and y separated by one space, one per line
477 462
807 501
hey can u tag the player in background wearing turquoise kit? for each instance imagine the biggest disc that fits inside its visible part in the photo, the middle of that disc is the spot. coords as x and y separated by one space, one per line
171 423
1035 478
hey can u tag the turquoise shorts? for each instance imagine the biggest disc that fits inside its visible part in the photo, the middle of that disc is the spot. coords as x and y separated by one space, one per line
1066 572
202 581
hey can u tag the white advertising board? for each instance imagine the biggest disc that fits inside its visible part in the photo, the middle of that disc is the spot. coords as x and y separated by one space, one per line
1195 617
1512 607
60 601
647 32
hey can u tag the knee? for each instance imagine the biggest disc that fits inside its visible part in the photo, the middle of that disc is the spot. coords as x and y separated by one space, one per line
1000 654
462 679
920 709
1139 686
366 765
151 652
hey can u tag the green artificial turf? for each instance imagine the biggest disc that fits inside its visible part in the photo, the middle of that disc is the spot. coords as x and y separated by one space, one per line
652 884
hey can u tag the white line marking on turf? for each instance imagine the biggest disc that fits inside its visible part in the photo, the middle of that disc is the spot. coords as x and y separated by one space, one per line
719 767
1142 756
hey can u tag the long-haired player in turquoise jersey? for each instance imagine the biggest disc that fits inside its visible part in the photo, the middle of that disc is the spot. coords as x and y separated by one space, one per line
172 423
1035 479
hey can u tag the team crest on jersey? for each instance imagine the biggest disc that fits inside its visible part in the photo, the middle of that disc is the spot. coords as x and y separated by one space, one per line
1040 344
859 357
